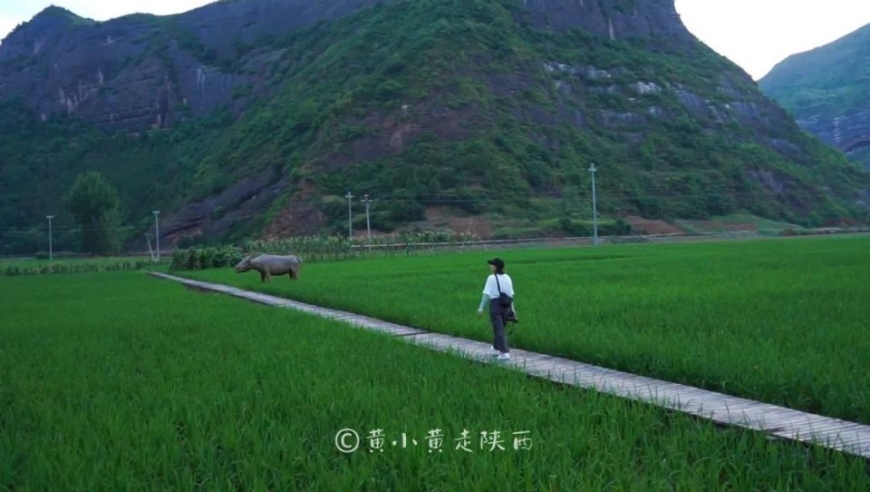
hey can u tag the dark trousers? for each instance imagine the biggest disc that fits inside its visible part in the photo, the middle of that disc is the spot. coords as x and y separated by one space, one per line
497 316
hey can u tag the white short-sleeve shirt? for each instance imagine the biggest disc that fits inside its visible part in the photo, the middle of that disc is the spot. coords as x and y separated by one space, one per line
504 281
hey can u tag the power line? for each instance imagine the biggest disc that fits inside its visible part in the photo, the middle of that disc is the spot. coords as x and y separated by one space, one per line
594 204
349 217
157 233
368 202
50 252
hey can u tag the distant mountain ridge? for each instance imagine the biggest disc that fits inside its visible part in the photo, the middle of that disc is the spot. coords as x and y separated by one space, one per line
828 91
254 117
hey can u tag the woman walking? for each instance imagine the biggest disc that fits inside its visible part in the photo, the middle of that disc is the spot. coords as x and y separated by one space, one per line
499 292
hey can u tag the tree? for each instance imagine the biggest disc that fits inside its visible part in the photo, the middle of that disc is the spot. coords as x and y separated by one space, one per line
110 224
94 205
434 187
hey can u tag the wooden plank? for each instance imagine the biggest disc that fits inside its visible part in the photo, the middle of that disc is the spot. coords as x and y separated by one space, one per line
449 343
536 358
561 366
652 391
719 404
543 371
835 438
772 416
707 407
848 427
527 364
854 439
849 437
633 390
755 417
533 363
385 328
638 388
796 424
827 429
699 404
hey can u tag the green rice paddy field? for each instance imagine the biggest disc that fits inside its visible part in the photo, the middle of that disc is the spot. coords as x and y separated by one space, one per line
785 321
118 381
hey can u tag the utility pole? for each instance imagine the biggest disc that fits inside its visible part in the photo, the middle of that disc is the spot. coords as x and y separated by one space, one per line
50 252
594 205
157 233
368 222
349 218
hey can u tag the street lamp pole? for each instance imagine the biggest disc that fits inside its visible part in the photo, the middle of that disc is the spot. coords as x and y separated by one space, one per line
50 249
592 170
368 222
349 218
157 233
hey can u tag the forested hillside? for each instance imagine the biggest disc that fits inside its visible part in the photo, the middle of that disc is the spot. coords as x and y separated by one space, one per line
488 109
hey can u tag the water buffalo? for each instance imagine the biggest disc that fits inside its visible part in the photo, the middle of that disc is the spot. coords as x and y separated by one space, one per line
269 265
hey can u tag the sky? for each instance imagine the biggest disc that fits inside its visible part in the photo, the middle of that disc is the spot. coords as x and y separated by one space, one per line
754 34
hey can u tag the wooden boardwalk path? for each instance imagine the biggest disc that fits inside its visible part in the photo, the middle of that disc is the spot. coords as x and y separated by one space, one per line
774 420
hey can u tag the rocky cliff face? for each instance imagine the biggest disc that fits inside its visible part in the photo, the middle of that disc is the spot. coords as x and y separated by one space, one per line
651 20
140 71
848 131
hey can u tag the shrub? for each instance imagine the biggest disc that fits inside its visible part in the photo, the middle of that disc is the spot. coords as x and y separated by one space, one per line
203 257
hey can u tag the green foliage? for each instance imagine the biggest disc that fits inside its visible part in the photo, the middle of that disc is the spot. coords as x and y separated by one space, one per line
91 197
576 228
203 257
110 226
41 161
827 81
404 207
94 204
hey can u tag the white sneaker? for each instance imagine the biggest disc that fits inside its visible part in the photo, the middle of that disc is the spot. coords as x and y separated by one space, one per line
495 351
504 356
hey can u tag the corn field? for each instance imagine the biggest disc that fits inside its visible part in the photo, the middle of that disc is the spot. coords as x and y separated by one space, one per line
16 270
316 248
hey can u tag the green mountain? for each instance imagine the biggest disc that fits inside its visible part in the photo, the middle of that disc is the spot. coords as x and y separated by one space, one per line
256 118
828 92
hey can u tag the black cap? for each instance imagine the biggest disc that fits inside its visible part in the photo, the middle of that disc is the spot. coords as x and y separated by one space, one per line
496 262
